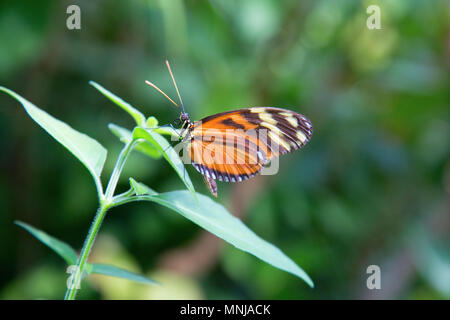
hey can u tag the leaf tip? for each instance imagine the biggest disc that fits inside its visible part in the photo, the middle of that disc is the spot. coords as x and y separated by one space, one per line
310 283
19 223
305 277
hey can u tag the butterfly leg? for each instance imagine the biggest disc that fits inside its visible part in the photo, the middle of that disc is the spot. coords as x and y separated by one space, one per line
175 130
182 141
211 184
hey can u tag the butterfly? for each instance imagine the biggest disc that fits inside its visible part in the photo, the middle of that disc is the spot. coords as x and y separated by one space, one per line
233 146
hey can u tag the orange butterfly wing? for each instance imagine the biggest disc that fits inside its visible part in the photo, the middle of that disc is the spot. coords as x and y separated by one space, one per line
233 146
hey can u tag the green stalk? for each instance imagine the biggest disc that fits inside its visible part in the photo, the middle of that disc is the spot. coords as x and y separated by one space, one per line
109 193
106 203
82 259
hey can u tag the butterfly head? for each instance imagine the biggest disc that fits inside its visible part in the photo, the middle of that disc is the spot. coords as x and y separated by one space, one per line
184 117
185 124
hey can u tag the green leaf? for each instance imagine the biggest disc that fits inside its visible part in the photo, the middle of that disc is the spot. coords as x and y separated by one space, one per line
168 152
141 189
113 271
151 122
125 136
91 153
133 112
213 217
168 131
431 258
61 248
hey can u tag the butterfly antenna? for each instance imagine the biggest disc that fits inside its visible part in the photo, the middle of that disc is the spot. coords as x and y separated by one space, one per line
173 79
160 91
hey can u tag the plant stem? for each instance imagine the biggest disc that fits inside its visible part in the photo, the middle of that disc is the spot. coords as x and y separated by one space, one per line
105 204
118 170
82 259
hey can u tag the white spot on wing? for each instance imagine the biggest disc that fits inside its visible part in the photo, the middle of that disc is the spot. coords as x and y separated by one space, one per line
277 139
301 136
257 110
292 121
267 118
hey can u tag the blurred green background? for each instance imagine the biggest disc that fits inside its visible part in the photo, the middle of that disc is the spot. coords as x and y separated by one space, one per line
372 186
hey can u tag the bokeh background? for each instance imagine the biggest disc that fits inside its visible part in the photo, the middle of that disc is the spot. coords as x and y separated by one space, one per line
372 186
